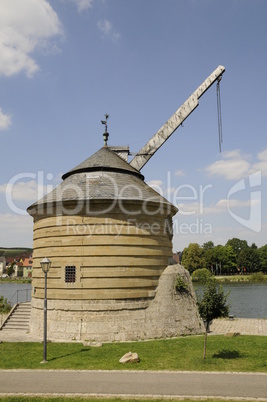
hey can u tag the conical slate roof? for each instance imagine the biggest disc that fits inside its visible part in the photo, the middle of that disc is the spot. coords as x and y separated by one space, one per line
105 160
102 177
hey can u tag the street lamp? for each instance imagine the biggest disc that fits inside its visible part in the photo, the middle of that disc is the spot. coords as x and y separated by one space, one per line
45 264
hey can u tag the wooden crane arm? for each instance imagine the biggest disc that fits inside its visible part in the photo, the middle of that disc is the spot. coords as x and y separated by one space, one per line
143 156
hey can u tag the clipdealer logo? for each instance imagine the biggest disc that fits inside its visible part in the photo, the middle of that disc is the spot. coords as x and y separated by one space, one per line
254 221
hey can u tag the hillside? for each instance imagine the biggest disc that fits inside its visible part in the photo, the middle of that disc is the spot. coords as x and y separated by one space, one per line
14 251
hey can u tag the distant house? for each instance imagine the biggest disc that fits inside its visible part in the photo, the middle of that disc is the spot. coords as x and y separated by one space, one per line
2 265
22 265
18 269
27 267
177 257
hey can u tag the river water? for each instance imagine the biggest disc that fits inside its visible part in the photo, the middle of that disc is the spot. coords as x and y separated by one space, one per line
16 292
246 300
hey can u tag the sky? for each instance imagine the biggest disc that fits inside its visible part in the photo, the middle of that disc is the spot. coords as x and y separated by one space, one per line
64 64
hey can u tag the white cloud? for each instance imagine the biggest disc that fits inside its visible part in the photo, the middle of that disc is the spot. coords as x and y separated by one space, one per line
24 191
152 183
25 26
232 166
83 4
222 205
15 221
262 164
16 230
198 208
179 173
106 28
116 36
5 120
263 155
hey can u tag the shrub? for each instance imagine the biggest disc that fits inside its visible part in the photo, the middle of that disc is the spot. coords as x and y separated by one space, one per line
5 306
258 277
201 275
180 284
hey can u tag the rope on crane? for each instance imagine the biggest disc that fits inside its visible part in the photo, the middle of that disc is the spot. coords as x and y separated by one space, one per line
219 112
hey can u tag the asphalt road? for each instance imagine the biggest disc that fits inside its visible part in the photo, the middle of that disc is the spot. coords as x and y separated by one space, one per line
133 383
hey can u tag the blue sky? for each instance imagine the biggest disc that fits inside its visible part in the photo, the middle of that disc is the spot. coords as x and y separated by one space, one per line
65 63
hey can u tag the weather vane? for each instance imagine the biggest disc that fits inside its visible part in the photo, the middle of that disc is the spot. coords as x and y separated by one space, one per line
106 134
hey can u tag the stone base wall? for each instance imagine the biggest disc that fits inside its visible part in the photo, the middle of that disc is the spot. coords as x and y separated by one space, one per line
169 314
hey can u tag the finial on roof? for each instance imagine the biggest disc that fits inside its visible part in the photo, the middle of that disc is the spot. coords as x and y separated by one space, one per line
106 134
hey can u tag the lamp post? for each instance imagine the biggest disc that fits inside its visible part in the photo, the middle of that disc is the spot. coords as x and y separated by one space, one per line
45 264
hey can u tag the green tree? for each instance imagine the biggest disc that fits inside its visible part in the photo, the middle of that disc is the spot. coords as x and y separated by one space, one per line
263 257
208 248
249 260
193 257
212 305
223 259
10 269
237 245
229 260
209 245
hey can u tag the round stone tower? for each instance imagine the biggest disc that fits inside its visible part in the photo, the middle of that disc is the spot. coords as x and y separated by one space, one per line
109 238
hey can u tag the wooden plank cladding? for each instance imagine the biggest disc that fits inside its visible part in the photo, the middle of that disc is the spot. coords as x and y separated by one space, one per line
110 219
102 272
66 241
113 255
142 229
102 283
95 294
93 251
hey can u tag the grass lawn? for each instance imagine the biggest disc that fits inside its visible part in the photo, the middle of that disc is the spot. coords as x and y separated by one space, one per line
241 353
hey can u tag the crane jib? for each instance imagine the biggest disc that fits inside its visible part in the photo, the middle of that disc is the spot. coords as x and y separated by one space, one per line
143 156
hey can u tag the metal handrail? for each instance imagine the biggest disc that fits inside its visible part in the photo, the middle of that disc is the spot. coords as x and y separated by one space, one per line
16 294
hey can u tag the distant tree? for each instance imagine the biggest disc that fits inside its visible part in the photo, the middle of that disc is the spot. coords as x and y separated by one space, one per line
249 260
263 258
229 261
237 245
223 257
212 305
193 257
209 245
10 268
208 249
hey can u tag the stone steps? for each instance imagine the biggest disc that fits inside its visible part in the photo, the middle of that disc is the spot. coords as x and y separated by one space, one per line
18 318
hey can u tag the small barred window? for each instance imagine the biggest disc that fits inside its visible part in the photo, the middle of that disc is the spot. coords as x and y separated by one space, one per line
70 274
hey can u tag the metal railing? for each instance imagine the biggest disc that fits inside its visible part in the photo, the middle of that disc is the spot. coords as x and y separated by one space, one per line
18 298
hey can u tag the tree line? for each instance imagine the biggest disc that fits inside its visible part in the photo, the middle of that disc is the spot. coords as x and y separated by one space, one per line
235 257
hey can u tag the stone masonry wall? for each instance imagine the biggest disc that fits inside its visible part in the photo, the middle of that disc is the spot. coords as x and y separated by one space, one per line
169 314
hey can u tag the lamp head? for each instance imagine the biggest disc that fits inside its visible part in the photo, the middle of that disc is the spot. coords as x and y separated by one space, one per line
45 264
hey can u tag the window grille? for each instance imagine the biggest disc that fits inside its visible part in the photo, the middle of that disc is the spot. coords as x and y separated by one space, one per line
70 274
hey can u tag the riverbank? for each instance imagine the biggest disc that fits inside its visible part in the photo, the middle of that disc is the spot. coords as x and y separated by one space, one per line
257 277
15 280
